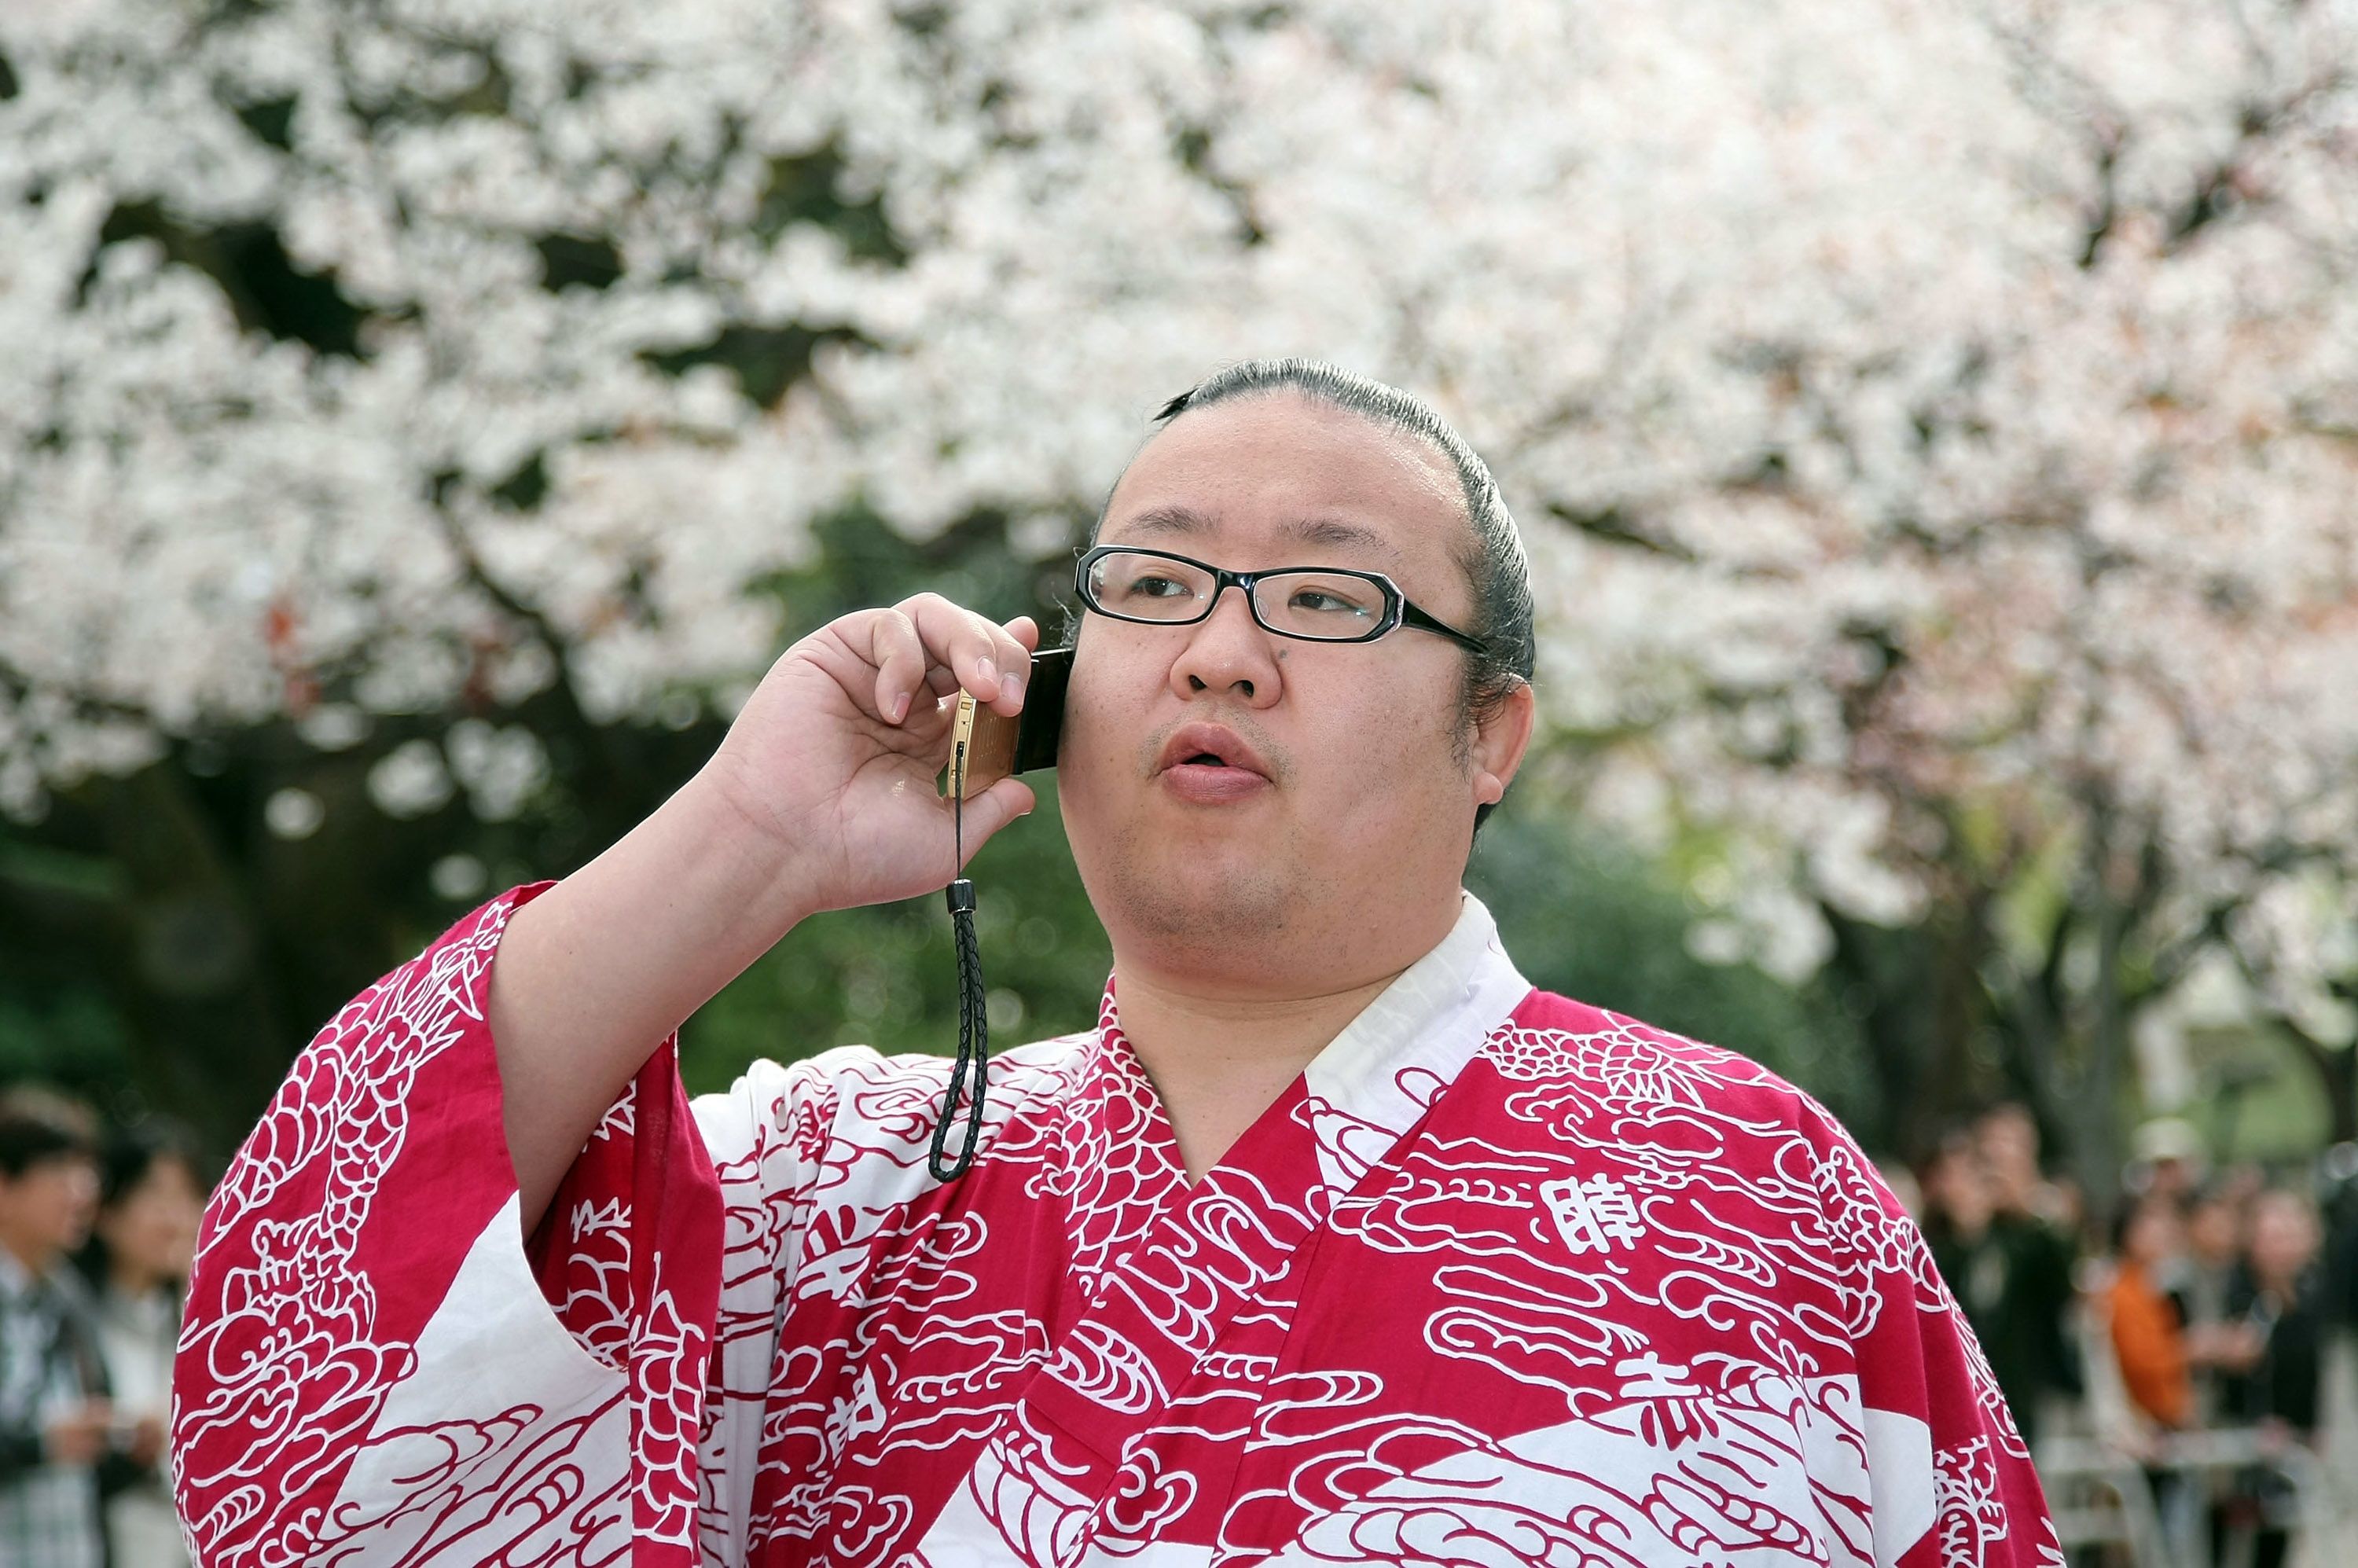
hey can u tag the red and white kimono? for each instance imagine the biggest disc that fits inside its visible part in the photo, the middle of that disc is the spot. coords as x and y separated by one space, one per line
1501 1279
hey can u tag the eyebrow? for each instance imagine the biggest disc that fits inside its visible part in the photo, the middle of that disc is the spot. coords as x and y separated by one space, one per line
1185 521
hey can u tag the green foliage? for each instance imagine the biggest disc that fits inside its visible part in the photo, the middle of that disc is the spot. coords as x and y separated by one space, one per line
75 1039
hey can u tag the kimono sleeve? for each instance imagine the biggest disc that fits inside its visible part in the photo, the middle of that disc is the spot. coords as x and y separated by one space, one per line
1951 1478
370 1371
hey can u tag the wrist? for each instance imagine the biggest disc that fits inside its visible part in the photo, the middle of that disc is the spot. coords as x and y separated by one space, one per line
736 855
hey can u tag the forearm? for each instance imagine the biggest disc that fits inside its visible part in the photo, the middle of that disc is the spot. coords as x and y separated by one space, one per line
595 973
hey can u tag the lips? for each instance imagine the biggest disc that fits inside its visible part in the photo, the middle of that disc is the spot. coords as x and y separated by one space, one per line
1207 746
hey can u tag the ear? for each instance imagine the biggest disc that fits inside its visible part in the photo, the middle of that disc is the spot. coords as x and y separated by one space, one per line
1499 743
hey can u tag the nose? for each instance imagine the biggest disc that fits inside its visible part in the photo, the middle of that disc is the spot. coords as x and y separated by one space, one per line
1227 653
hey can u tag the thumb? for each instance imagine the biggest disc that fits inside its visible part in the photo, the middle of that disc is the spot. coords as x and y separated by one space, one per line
993 809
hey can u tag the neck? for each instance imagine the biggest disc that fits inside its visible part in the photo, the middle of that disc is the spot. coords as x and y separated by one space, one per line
1217 1062
35 1257
128 1280
1221 1036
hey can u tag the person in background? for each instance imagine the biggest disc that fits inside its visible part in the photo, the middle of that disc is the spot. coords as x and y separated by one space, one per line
2038 1222
2169 1161
150 1197
2149 1336
2007 1136
2337 1204
2218 1342
54 1415
1996 1265
2281 1303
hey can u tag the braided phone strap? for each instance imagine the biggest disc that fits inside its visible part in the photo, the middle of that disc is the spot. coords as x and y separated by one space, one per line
974 1024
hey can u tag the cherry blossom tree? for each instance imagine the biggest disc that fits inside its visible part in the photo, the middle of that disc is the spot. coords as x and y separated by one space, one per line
1932 420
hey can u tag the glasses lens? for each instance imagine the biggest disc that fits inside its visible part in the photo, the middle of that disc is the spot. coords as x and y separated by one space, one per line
1336 607
1148 587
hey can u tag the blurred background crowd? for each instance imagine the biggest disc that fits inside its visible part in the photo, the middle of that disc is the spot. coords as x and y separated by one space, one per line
1933 424
2184 1374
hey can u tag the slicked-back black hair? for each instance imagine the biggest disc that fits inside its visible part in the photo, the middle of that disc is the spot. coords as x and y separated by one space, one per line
1494 561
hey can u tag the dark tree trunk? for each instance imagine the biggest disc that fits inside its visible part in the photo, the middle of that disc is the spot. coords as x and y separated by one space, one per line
1918 995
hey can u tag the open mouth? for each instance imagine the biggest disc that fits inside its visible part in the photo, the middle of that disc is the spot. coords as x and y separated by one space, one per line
1202 745
1209 763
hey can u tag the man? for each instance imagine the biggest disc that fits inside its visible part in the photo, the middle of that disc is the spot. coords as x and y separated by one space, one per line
2219 1343
1333 1242
2028 1338
53 1413
1980 1253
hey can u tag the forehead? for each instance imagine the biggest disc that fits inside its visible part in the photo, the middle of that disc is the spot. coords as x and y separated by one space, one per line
1273 473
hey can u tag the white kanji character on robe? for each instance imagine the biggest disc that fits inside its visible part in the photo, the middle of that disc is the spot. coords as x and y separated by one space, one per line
1591 1215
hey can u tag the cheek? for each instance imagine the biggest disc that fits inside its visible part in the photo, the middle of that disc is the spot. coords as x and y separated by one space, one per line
1379 765
1106 712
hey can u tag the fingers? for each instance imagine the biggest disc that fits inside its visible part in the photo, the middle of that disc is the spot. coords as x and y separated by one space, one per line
987 660
900 659
927 642
993 809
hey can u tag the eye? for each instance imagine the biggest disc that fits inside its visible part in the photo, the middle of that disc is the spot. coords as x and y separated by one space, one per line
1154 585
1331 600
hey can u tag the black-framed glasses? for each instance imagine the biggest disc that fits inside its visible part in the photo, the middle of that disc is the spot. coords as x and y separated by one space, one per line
1317 604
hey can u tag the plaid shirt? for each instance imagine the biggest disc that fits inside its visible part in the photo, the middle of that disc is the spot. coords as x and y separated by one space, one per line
48 1513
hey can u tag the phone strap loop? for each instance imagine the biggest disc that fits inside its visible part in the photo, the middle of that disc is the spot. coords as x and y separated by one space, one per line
973 1023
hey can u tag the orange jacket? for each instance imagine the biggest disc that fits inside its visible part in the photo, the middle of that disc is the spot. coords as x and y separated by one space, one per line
2151 1344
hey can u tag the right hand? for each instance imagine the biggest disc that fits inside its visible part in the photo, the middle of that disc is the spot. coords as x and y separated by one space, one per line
78 1436
832 762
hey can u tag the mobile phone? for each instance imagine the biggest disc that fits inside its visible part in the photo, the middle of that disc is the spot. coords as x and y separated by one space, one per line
994 746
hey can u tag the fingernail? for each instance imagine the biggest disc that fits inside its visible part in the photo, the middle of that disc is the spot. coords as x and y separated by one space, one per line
989 673
900 708
1010 687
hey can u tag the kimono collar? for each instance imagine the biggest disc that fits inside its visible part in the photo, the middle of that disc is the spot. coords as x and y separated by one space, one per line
1376 1078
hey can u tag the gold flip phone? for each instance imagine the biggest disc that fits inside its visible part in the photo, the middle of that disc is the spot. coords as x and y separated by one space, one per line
995 746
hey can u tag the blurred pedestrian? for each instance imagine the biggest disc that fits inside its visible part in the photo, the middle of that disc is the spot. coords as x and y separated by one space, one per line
137 1262
2149 1336
2038 1223
2001 1268
2218 1342
2007 1136
2169 1161
2280 1301
2338 1177
54 1416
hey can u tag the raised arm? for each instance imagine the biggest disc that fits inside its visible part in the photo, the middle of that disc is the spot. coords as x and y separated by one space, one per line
375 1365
821 797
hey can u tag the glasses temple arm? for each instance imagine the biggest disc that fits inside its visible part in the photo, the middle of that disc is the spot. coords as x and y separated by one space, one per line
1411 616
